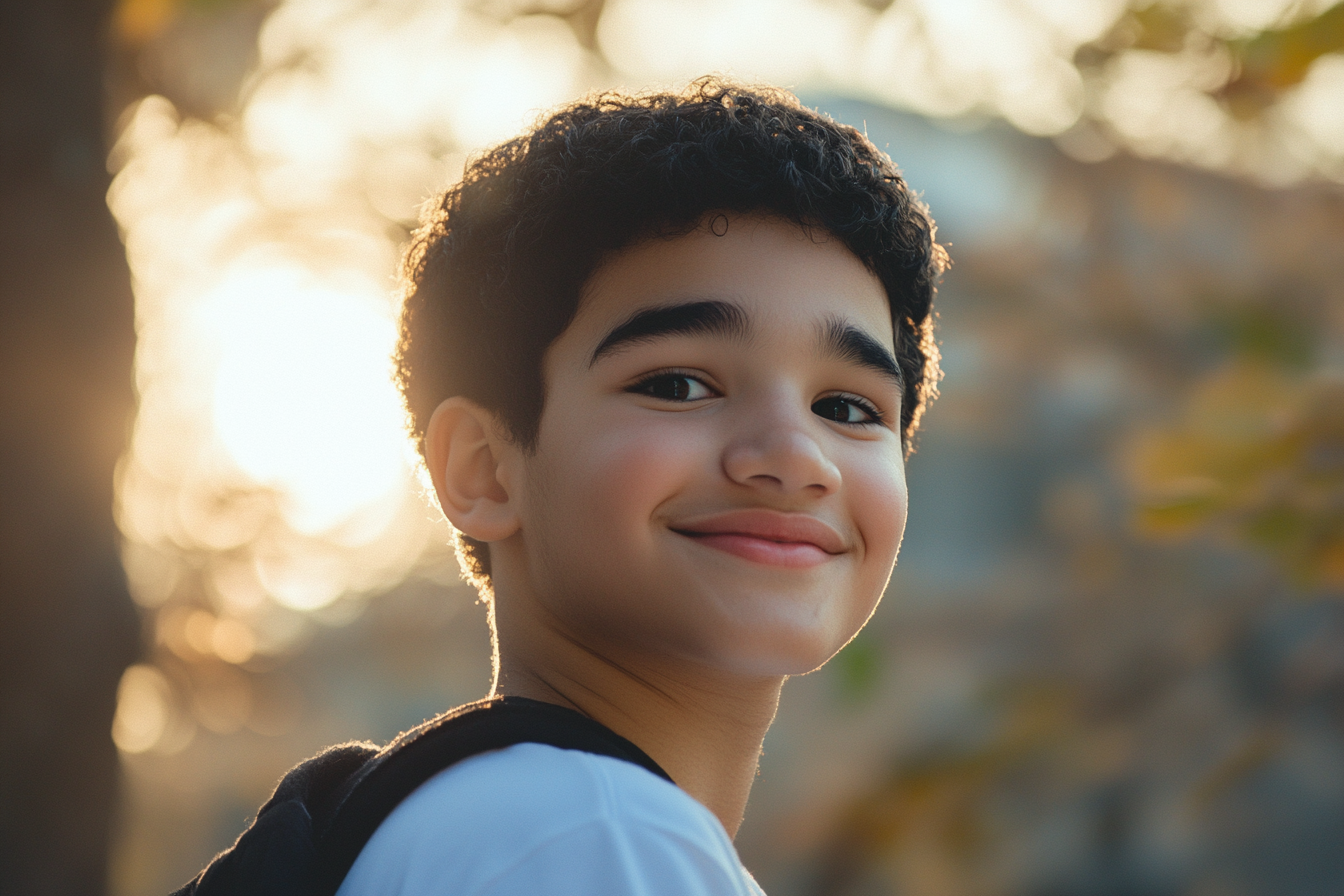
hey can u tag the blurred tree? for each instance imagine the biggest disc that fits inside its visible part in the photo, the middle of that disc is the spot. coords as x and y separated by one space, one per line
1257 456
1262 67
67 625
1266 65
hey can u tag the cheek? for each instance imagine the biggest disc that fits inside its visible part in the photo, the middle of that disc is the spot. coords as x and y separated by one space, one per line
596 530
876 501
878 504
647 463
611 478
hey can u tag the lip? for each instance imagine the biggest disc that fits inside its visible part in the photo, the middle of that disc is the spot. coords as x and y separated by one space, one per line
766 536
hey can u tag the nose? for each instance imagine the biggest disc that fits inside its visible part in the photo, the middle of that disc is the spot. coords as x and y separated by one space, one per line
777 449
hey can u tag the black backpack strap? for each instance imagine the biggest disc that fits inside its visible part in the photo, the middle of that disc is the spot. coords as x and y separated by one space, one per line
369 796
277 853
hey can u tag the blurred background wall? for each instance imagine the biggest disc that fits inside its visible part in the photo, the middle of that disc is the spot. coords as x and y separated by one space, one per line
1111 660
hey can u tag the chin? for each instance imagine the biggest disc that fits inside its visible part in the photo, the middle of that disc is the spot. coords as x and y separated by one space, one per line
770 636
776 652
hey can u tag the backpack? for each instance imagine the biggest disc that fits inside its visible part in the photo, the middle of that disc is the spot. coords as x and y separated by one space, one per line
308 834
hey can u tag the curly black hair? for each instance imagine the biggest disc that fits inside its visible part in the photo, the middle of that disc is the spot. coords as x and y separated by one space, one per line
494 273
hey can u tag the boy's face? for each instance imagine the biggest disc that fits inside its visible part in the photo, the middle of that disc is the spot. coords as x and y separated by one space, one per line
719 473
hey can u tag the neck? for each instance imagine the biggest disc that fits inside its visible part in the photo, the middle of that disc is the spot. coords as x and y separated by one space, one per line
705 728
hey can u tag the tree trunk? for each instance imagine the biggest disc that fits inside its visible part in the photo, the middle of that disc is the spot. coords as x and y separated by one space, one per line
67 625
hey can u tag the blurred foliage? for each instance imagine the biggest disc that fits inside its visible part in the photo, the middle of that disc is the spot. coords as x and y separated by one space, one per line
1260 68
939 820
933 812
1272 61
859 666
1257 456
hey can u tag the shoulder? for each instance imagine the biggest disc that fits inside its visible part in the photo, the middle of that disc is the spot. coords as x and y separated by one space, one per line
535 818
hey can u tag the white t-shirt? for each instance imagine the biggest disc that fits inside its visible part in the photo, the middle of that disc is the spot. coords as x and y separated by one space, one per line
535 820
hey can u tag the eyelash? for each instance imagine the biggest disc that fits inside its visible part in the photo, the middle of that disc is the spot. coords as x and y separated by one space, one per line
645 387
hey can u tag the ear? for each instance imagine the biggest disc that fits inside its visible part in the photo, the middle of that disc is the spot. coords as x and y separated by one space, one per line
464 449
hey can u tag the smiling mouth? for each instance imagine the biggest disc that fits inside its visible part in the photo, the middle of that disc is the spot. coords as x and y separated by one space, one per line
767 537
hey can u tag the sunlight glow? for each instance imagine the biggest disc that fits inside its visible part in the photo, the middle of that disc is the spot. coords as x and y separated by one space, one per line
787 42
1149 91
268 453
989 50
302 394
1318 110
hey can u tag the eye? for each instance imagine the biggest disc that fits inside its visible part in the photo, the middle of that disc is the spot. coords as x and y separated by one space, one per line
846 409
673 386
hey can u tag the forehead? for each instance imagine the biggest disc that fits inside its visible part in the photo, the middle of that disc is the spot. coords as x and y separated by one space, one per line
781 275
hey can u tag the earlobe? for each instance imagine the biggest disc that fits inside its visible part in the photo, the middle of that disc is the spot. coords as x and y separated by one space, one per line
463 449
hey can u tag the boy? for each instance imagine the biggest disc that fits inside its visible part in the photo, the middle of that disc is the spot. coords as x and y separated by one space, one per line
664 357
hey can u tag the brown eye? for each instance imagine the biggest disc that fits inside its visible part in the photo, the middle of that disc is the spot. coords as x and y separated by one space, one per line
844 409
673 387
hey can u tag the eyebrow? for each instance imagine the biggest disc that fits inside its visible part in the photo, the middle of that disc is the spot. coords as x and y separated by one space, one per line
707 318
845 342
